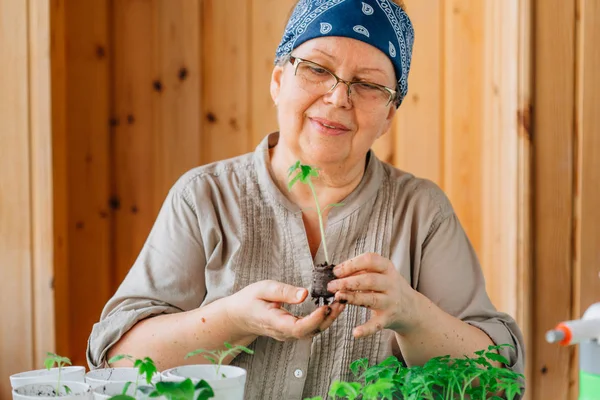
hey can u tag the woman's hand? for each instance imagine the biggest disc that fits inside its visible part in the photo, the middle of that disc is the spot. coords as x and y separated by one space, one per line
256 310
371 281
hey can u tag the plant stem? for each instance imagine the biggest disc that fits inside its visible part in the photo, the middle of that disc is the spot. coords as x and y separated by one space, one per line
58 382
312 188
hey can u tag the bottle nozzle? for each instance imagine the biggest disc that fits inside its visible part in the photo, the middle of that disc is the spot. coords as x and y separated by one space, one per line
554 336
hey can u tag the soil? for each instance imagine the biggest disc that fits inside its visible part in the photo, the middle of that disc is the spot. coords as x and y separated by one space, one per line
321 276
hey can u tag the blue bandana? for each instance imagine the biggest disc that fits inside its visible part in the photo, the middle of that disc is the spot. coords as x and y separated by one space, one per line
380 23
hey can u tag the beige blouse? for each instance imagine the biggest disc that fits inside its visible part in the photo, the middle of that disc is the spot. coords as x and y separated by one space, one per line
226 225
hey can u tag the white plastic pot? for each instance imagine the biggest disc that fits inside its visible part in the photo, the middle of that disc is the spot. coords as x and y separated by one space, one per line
111 389
99 377
228 385
39 391
73 374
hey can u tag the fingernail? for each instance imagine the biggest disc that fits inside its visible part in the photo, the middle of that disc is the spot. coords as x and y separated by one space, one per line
300 294
337 269
331 286
328 311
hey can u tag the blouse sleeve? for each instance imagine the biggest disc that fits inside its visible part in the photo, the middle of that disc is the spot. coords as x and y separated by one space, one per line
167 277
451 277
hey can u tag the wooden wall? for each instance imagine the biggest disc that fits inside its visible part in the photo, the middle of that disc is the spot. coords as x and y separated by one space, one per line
500 113
26 240
566 182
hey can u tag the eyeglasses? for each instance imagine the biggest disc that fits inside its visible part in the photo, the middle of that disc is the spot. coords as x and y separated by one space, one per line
319 80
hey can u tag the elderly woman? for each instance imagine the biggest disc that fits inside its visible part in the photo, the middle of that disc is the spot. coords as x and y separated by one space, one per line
231 254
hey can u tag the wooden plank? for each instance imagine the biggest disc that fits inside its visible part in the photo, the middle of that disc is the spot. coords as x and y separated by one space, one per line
16 330
59 176
463 112
178 143
41 179
418 128
524 315
586 283
157 98
553 206
225 97
87 107
590 154
266 31
499 161
136 83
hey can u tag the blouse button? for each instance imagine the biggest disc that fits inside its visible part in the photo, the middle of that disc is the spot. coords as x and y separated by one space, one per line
298 373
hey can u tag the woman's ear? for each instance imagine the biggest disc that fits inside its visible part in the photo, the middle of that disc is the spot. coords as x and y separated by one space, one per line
275 87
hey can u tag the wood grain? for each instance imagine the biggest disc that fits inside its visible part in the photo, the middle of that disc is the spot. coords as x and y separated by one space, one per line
418 128
16 329
225 77
553 205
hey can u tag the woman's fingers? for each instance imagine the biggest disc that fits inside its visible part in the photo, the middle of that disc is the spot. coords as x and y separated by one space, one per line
373 300
365 262
375 282
336 310
371 327
280 292
290 326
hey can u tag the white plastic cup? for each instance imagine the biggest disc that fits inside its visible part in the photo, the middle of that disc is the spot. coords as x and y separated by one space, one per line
47 390
228 385
73 374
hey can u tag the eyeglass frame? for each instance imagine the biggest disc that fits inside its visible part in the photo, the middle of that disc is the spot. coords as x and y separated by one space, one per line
295 61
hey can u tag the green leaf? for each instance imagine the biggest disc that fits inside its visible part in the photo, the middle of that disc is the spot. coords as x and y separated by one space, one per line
228 345
293 168
498 358
358 366
126 387
245 349
211 359
49 363
122 397
176 390
206 391
383 387
63 361
293 181
195 352
306 172
67 389
351 390
148 368
119 357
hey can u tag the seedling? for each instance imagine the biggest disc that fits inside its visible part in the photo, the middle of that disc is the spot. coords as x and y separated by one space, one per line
217 356
322 273
52 360
145 367
441 378
183 390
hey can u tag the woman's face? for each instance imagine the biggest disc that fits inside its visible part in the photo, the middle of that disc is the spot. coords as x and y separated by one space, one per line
305 117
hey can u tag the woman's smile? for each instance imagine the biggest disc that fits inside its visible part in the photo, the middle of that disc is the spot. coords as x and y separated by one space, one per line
328 127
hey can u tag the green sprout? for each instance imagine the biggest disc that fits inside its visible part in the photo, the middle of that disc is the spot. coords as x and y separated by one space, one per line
183 390
304 175
217 356
145 367
441 378
54 359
